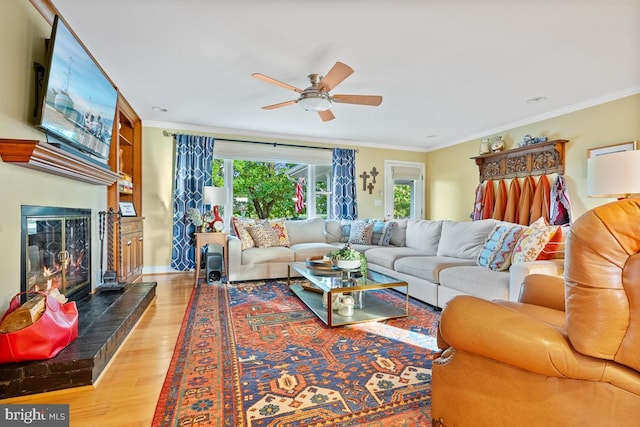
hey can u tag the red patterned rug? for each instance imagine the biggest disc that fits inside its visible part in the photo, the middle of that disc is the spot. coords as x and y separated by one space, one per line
252 354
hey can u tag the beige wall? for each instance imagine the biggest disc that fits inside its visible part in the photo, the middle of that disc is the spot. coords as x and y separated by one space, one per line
22 43
452 175
158 157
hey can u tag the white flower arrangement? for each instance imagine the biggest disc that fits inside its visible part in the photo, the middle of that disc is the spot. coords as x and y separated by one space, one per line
195 217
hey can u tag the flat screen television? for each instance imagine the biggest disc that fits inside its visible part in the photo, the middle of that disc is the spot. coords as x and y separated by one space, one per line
79 103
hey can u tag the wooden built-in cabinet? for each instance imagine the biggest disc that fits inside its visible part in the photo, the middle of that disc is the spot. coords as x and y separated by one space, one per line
125 158
126 161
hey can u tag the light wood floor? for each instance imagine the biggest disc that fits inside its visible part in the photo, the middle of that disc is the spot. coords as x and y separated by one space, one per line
127 391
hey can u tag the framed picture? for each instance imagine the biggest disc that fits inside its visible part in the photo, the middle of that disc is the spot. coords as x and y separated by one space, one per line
616 148
127 209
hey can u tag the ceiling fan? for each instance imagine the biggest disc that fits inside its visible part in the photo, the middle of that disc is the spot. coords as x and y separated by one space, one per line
316 97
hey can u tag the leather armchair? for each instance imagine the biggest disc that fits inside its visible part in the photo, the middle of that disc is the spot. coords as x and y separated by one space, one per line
566 354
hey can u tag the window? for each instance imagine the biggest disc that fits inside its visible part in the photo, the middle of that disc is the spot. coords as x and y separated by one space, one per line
263 179
405 196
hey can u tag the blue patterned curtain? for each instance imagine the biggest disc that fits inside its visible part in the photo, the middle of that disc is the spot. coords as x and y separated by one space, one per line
194 155
345 205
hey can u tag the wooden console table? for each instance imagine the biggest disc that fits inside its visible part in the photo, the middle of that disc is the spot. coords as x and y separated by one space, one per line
206 238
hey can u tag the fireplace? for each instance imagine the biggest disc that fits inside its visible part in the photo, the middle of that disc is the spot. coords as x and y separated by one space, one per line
56 254
56 250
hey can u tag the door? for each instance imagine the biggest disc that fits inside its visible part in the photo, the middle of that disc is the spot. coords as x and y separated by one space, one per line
404 189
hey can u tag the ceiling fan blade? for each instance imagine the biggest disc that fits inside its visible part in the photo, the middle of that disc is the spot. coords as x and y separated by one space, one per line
326 115
275 82
279 105
335 76
358 99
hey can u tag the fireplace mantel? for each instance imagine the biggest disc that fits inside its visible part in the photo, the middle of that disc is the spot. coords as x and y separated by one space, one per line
42 156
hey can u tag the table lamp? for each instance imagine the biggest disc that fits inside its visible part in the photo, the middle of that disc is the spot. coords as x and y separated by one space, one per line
214 197
614 175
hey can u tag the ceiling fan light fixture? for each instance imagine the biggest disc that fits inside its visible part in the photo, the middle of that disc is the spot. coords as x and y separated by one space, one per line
315 101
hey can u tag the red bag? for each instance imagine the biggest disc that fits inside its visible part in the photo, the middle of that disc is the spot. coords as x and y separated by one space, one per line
46 337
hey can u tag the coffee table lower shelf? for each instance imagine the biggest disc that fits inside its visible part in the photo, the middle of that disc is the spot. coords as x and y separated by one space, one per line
374 308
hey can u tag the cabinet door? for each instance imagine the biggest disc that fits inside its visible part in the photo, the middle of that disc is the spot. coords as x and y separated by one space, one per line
136 254
131 250
126 258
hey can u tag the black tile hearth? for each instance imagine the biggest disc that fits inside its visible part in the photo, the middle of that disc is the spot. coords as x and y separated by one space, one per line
104 321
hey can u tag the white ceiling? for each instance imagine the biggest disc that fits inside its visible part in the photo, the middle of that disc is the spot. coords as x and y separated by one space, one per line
448 71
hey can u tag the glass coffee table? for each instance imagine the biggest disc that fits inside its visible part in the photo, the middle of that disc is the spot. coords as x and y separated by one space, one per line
328 287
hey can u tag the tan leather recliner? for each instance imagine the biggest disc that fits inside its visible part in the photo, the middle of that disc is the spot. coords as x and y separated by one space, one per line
566 354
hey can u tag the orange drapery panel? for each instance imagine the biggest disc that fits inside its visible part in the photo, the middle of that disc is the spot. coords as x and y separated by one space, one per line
513 198
501 201
540 204
526 199
487 200
523 203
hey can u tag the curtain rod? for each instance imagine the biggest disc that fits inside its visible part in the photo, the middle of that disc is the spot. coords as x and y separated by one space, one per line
274 144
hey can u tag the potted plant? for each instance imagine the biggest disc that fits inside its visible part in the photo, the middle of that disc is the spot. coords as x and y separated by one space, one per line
346 258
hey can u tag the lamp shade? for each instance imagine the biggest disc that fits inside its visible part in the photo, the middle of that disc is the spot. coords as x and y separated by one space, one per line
214 196
614 175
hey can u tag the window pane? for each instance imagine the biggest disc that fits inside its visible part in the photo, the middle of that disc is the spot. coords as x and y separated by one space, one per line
402 198
269 190
322 190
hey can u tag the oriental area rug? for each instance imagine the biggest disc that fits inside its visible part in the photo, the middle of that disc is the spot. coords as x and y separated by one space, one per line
252 355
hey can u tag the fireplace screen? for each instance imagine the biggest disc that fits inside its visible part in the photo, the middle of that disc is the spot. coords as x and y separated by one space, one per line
56 249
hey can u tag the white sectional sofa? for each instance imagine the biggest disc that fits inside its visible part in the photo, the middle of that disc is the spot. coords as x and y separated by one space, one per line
438 259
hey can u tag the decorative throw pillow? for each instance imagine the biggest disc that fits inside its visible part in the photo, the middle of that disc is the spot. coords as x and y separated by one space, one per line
376 231
263 236
554 248
387 232
280 230
361 233
532 241
498 248
346 229
240 230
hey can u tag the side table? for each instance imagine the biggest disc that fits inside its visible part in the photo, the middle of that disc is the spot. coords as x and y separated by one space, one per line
202 239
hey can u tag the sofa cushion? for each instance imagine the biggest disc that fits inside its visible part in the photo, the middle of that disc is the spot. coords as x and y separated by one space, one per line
427 267
263 255
399 232
361 232
463 239
423 235
498 248
475 280
360 248
387 256
302 251
333 230
308 231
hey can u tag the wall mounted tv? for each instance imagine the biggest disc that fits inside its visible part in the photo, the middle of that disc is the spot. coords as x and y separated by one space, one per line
79 103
